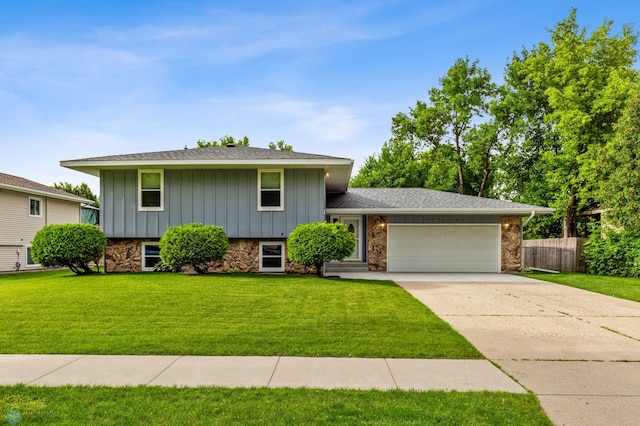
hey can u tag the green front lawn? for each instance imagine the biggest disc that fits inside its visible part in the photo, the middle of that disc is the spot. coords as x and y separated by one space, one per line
624 288
217 406
219 314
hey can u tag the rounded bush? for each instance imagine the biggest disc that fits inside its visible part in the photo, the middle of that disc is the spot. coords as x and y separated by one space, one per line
72 245
313 244
193 244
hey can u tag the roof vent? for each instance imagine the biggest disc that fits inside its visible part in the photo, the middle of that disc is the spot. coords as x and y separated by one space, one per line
231 145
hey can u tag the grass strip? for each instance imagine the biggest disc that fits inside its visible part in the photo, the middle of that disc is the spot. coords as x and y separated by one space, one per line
622 287
259 406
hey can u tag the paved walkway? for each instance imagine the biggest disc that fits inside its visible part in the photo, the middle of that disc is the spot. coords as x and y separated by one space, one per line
578 351
272 372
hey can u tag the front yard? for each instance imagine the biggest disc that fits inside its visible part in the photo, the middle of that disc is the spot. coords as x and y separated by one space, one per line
226 314
234 315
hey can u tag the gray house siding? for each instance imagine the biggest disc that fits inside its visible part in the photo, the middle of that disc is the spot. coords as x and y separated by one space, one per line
227 198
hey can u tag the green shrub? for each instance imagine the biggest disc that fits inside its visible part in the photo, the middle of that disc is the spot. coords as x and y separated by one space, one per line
313 244
72 245
615 253
193 244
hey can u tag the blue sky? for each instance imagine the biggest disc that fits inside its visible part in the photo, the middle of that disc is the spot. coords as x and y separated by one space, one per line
81 79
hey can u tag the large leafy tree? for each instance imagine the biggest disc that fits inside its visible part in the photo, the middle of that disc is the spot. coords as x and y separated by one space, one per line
572 91
223 141
621 191
81 190
230 140
442 137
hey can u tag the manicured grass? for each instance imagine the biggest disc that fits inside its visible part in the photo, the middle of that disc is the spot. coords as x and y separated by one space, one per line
217 406
624 288
219 314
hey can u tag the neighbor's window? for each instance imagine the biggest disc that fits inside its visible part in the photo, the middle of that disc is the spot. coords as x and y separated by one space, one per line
150 190
271 256
150 255
270 193
30 261
35 207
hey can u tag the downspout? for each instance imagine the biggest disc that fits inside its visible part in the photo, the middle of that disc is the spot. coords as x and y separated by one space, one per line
533 213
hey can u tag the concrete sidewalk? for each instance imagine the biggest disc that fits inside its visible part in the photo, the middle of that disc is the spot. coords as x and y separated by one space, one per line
272 372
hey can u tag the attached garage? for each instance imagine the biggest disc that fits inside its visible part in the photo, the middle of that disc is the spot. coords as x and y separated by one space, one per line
443 248
422 230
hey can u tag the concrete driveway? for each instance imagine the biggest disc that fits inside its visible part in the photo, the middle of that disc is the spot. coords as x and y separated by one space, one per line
578 351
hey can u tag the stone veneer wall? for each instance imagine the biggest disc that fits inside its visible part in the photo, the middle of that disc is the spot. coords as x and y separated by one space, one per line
511 233
125 256
377 242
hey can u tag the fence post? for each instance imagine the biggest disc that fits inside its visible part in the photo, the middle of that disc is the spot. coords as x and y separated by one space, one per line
559 258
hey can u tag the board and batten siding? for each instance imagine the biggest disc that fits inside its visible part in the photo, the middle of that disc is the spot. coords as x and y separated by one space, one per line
17 228
223 197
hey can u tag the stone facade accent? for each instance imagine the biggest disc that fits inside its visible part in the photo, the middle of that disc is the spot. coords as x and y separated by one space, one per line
243 256
511 232
123 256
377 242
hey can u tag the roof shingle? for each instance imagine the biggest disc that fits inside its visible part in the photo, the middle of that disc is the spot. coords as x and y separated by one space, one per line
418 199
29 185
214 153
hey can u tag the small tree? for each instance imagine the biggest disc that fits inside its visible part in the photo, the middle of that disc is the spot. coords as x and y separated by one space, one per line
193 244
72 245
313 244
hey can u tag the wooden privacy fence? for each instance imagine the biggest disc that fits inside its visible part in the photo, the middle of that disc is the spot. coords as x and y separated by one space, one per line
556 254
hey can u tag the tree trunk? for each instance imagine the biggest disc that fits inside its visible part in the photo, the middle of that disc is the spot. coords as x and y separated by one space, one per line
569 215
460 174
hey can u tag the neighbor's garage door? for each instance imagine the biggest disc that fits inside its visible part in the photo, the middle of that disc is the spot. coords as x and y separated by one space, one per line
443 248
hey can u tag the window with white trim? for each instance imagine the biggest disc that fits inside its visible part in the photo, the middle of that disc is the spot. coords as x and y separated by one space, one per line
151 190
272 256
30 261
150 255
35 207
271 190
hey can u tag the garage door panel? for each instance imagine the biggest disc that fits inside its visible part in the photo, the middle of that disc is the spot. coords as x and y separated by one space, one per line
443 248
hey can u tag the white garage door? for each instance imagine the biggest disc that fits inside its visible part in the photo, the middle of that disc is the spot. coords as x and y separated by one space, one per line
443 248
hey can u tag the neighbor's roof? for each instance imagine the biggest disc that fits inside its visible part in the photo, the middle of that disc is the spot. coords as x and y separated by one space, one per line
422 200
16 183
337 169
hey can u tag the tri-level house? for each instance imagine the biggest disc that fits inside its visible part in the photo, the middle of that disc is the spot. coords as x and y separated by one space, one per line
25 208
258 196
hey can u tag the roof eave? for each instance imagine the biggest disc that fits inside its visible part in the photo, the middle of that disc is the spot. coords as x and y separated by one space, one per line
458 211
71 197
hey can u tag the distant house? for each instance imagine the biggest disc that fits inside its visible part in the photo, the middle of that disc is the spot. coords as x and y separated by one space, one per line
259 195
25 207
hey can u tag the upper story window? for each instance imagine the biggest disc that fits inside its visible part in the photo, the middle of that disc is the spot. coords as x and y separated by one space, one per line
151 190
270 189
35 207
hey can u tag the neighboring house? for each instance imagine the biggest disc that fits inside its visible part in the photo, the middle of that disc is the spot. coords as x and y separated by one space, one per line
259 195
25 207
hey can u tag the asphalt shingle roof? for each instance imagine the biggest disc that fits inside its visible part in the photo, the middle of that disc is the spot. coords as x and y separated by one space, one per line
214 153
29 185
417 199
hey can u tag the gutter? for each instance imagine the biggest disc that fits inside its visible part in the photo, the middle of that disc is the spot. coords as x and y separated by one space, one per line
533 213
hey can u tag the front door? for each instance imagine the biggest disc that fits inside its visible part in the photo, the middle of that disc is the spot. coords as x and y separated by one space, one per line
353 224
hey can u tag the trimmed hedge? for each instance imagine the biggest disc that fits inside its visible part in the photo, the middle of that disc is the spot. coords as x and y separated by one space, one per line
193 244
313 244
71 245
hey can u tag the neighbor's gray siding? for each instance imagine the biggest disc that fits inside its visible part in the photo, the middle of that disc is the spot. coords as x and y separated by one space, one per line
442 219
227 198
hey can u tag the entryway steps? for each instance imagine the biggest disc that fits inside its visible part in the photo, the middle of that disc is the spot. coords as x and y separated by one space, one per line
337 267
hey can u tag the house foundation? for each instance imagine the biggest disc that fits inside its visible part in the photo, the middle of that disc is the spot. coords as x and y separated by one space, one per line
125 255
